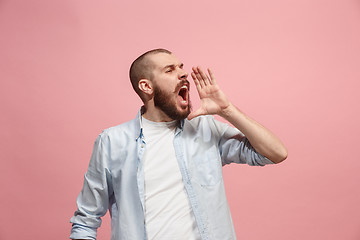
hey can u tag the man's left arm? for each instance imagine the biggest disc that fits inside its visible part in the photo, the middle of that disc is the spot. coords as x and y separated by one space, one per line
214 101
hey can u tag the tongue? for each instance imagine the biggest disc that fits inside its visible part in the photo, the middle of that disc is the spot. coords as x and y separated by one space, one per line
182 101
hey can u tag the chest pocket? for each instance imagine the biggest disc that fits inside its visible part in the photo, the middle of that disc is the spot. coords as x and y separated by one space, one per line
207 168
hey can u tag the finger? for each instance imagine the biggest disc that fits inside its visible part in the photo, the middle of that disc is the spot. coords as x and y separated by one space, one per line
196 81
212 77
204 77
199 77
195 77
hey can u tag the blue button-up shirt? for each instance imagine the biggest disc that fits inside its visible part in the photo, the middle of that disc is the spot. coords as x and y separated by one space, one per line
115 178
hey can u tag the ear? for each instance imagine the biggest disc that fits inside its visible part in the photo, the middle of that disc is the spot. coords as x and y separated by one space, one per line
146 86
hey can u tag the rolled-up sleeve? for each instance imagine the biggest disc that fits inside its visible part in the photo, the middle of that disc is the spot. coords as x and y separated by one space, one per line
235 148
93 200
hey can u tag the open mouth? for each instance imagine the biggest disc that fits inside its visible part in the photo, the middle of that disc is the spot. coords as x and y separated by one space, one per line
183 94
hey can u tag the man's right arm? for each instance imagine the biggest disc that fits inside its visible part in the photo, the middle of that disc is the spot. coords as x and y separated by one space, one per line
93 199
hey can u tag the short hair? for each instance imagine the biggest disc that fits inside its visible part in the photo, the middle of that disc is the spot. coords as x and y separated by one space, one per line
142 68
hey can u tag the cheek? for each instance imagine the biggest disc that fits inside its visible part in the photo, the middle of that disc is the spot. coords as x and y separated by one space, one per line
167 85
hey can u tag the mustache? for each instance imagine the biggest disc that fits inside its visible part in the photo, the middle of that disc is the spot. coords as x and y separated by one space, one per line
182 83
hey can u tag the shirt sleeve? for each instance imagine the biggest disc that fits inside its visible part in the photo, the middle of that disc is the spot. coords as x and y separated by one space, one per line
93 200
235 147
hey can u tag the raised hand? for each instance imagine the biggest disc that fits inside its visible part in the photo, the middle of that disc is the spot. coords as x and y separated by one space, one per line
213 100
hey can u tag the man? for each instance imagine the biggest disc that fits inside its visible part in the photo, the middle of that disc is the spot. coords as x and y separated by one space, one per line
160 175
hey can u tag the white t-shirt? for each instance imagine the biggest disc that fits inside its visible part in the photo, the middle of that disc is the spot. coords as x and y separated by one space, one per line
168 214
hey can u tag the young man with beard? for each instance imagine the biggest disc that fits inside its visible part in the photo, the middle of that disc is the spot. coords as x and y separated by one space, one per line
160 175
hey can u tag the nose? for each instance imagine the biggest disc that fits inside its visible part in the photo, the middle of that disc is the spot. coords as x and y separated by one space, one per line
183 74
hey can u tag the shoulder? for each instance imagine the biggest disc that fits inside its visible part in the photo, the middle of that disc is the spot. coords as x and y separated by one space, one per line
125 131
206 125
207 121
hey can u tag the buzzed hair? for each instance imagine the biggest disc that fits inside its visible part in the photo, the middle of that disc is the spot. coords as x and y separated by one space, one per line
142 68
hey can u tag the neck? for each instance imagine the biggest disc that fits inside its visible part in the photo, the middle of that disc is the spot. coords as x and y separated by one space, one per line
155 114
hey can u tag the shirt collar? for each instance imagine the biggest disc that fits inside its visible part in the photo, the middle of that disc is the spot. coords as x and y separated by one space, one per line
139 127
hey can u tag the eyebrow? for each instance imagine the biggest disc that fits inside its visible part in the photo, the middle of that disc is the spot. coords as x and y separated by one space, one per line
173 66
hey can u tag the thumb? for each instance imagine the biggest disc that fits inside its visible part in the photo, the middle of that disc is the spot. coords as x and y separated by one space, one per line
196 113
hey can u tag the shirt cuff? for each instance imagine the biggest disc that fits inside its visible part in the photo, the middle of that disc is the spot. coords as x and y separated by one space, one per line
82 232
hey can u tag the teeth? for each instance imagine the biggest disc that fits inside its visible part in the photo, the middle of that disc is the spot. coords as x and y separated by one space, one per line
184 87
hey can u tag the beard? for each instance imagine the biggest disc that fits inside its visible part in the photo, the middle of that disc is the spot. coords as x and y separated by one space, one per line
165 102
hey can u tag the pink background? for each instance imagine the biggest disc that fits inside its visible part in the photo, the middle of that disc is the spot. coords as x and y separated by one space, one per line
292 65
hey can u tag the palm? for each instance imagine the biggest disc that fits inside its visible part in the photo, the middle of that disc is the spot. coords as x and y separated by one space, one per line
213 100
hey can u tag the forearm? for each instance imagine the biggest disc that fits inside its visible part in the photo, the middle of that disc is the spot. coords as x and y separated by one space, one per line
214 101
264 141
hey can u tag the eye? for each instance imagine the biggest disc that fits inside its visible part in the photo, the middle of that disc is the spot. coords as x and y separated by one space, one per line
169 70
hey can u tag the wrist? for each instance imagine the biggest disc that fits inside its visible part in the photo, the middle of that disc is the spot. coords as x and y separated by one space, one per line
228 111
